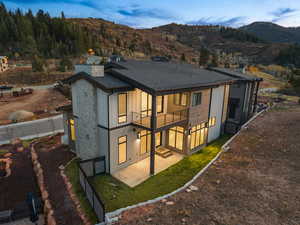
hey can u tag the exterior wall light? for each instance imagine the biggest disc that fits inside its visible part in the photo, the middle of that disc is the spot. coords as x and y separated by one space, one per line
139 135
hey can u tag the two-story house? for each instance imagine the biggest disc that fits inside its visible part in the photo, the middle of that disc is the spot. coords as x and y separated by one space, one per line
3 63
144 116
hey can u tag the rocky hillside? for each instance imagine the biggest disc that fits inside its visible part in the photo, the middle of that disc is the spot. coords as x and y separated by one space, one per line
174 40
273 33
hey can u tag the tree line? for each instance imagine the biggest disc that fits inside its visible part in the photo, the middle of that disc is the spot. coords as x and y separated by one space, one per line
27 35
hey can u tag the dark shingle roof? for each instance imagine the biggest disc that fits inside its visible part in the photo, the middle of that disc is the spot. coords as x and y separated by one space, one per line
161 76
107 82
236 74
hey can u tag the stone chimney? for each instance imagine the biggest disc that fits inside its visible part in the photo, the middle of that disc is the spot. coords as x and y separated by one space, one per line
93 70
92 66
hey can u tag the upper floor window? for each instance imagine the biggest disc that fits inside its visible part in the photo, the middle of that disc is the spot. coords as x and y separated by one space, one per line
146 104
122 108
180 99
197 99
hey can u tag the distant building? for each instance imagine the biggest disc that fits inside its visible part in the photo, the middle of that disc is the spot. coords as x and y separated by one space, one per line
3 63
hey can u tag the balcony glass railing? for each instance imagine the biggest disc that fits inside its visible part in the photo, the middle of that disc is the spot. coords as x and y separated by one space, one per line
162 120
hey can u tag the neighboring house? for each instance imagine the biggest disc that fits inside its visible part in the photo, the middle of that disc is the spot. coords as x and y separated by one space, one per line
3 63
146 114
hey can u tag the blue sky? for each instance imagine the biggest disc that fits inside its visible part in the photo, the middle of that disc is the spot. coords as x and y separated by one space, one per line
149 13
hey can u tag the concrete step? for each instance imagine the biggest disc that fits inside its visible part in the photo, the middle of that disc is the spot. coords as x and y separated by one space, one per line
163 152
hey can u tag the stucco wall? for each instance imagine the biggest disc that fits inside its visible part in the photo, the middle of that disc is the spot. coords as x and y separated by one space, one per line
216 111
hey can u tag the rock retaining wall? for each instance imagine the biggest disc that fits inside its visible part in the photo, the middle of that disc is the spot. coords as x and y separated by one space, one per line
48 210
73 196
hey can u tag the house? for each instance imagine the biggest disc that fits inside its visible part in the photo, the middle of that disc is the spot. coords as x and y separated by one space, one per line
144 116
242 99
3 63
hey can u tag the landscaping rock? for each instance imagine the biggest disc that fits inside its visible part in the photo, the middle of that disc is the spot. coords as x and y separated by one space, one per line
194 188
170 203
61 167
20 149
16 141
149 220
7 155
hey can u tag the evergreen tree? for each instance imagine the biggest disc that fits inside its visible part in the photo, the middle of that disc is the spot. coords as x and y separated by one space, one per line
30 35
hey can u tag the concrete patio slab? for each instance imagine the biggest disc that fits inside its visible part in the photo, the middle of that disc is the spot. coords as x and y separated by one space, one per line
139 171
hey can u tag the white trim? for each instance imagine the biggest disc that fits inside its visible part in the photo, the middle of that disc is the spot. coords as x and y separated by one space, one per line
113 216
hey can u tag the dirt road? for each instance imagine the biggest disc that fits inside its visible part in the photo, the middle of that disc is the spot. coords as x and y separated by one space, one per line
256 183
41 100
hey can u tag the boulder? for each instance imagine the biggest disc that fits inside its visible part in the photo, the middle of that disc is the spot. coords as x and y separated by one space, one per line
7 155
21 115
16 141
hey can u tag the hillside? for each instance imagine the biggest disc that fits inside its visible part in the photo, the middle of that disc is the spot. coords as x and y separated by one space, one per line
273 33
25 35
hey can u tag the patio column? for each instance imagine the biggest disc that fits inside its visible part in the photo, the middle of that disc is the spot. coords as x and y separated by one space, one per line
153 129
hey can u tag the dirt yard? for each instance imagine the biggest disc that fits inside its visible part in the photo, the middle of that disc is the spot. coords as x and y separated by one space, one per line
51 156
257 182
14 188
42 103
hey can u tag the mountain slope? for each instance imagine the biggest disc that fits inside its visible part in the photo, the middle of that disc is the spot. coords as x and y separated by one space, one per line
273 33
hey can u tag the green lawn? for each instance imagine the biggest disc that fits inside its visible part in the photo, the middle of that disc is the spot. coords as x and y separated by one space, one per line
116 194
121 195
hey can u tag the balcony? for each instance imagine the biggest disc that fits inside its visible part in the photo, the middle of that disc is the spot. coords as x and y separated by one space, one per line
163 119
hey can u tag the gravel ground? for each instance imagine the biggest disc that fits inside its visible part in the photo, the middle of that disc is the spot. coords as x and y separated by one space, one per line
256 183
14 188
64 209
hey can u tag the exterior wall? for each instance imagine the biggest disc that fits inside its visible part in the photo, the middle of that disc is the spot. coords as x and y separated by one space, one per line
199 114
226 100
133 147
85 112
65 138
102 102
216 110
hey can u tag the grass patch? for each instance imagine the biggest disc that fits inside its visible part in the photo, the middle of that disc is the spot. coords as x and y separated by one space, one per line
3 152
116 194
72 172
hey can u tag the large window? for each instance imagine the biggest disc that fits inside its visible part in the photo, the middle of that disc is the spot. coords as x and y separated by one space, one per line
180 99
146 141
198 135
197 98
212 121
122 149
122 108
146 104
176 137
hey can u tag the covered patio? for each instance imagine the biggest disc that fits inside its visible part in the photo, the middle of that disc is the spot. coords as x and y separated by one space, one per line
139 171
